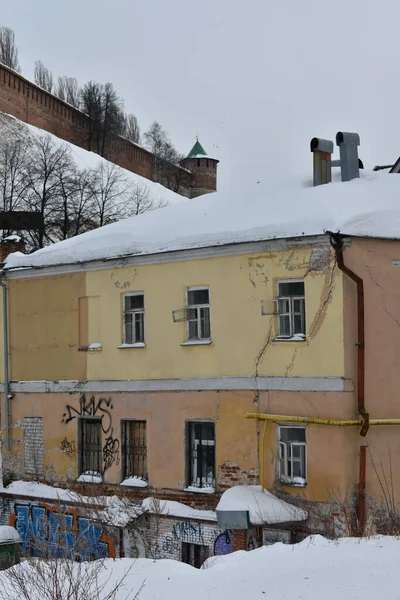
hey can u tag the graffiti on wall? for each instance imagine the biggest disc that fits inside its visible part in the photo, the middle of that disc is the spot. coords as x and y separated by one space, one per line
186 531
223 543
48 532
69 448
101 408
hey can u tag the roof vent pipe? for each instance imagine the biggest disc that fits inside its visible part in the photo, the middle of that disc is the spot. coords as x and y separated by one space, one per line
349 164
322 151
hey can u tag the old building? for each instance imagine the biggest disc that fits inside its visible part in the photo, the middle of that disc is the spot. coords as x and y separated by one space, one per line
227 341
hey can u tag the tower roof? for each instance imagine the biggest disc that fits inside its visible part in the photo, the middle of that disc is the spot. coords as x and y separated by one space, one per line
196 150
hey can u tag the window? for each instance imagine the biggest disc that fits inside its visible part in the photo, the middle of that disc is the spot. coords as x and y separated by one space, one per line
133 319
201 455
33 446
291 309
292 455
194 554
198 314
134 449
89 445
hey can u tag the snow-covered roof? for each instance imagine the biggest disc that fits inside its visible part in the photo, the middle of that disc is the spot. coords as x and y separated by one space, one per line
368 207
177 509
9 534
264 507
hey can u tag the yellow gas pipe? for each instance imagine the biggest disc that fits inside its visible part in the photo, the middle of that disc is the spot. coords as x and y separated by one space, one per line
307 421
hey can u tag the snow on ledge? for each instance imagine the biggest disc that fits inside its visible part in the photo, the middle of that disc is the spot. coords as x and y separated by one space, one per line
177 509
263 507
90 477
134 482
9 534
198 490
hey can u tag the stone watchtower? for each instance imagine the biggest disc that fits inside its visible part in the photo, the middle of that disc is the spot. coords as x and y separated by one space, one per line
203 169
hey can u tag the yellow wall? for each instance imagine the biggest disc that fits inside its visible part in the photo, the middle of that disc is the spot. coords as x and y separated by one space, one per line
44 328
239 331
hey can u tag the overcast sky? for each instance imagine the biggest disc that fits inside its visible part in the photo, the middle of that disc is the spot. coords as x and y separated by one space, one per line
254 79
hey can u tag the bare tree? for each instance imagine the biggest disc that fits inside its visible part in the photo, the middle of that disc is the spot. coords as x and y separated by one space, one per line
105 111
131 129
141 201
8 49
49 159
166 158
109 188
43 77
68 90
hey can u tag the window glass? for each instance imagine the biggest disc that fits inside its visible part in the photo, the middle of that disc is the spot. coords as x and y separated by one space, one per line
198 297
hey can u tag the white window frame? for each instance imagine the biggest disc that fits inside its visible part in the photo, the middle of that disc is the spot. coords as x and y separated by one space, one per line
140 311
197 307
290 313
283 459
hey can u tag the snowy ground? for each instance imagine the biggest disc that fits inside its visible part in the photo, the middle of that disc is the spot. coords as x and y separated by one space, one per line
316 568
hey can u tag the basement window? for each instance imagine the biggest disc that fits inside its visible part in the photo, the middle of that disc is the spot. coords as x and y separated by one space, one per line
289 309
292 454
133 334
194 554
89 444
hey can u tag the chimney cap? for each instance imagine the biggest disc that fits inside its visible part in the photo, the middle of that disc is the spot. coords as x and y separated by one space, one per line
343 137
321 145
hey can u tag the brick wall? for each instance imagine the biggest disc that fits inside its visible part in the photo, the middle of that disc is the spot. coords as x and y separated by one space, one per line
33 446
52 529
30 103
230 474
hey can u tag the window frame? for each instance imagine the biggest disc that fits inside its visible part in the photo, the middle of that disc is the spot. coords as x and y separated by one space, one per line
291 313
190 470
197 307
284 478
140 311
124 473
81 460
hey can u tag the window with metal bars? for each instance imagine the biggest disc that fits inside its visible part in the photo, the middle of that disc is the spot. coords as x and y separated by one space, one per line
291 309
89 445
134 449
201 454
133 318
198 314
292 455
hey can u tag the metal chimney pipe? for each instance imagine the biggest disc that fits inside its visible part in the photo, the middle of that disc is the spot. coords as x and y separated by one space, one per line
349 162
322 151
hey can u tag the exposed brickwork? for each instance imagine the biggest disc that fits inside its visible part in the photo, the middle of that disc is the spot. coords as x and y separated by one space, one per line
230 474
33 446
7 246
239 539
30 103
193 499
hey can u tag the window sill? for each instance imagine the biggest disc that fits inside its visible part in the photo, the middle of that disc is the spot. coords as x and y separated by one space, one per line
293 483
138 345
197 343
90 478
134 482
295 338
205 490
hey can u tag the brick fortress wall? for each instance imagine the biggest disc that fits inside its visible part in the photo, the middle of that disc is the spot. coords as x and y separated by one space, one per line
33 105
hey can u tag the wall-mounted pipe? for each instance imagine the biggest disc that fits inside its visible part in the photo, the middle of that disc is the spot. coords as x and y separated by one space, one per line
319 421
6 364
337 244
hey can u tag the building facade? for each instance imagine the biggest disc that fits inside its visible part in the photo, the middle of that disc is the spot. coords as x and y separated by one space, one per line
185 373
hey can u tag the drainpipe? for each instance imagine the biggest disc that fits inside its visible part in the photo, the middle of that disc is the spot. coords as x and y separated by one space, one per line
337 244
6 366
